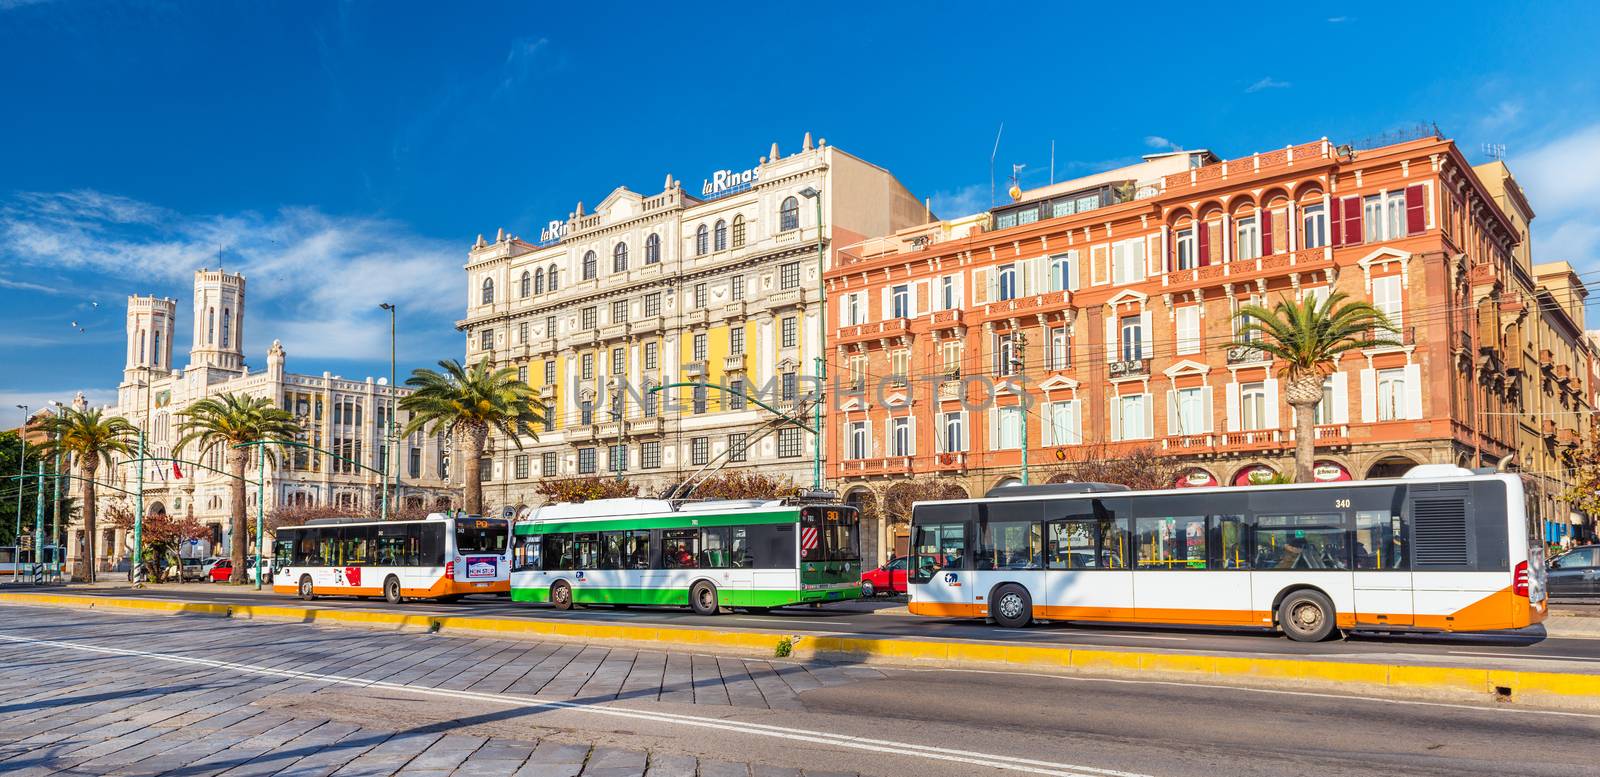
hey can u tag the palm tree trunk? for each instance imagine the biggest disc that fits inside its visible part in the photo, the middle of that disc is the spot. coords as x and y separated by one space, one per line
236 461
89 532
472 440
1303 393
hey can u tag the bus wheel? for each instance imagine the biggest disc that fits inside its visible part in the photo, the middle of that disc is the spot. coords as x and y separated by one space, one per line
867 589
1011 607
1306 616
391 590
561 595
306 591
703 598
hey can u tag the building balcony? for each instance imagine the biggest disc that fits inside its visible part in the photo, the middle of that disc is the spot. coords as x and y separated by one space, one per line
1547 429
1405 338
1569 437
611 332
737 309
1484 274
608 429
1327 435
733 362
794 297
950 388
1246 270
697 317
860 333
1240 354
894 465
648 425
1128 368
1244 168
1562 373
1189 443
1256 440
547 393
695 369
580 433
950 462
1547 360
1029 305
647 325
946 319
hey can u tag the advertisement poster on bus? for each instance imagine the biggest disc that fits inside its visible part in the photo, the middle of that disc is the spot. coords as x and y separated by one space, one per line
480 566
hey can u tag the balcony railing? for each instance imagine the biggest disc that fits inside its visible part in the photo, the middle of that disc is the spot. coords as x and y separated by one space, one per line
946 318
649 425
876 466
1260 439
950 461
893 327
1243 354
733 362
1569 438
1290 156
1128 368
1327 434
1189 443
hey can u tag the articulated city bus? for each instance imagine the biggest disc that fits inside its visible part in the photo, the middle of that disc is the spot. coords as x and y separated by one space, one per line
705 555
1441 549
12 563
441 557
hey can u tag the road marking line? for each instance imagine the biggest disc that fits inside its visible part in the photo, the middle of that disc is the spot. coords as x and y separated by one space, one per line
1008 763
785 620
1241 689
1523 656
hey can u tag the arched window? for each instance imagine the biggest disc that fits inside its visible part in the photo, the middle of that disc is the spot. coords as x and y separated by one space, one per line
721 235
538 281
527 284
702 241
619 258
652 249
488 290
789 215
155 353
226 317
590 266
211 325
738 231
141 347
554 286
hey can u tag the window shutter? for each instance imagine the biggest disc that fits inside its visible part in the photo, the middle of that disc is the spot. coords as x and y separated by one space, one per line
1072 271
980 285
1413 391
959 300
1335 223
1206 412
1369 396
1116 417
966 432
1202 235
1416 209
1154 255
1099 273
1271 385
1147 332
1352 221
911 436
1340 398
1075 421
1233 407
1265 217
1111 337
1173 427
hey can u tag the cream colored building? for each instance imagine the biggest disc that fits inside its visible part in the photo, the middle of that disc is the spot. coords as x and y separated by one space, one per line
716 282
345 416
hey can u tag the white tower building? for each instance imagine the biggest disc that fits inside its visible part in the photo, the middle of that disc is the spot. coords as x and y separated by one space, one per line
218 321
150 326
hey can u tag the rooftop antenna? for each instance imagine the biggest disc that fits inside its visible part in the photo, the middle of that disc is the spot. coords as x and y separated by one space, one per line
1495 151
992 155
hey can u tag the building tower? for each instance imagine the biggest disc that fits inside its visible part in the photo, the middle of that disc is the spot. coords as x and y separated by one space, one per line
150 326
218 321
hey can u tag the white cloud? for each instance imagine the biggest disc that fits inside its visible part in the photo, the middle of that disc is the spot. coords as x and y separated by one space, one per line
1156 141
322 276
1338 19
1562 180
1503 114
1266 83
964 201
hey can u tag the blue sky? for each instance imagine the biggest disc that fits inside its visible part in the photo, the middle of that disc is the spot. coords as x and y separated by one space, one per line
343 154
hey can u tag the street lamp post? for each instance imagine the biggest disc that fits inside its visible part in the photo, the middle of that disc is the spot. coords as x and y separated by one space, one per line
55 503
1018 361
389 436
812 194
136 568
38 523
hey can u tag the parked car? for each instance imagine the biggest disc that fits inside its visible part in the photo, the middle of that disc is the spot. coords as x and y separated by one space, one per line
888 579
221 571
192 570
1575 573
250 569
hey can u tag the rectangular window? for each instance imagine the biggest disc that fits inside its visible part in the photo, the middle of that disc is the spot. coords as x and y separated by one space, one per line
854 309
789 276
587 360
485 469
650 455
950 357
1134 414
1061 423
617 458
1309 541
1127 261
1010 545
699 296
1324 412
520 466
1387 297
1246 239
522 373
858 440
700 398
619 361
900 437
1064 271
700 347
619 311
415 468
589 316
1187 319
1185 255
586 462
1252 406
736 447
948 298
1392 395
549 326
1170 543
735 394
1007 280
1008 428
736 340
1086 542
699 450
790 332
901 302
955 431
900 365
1314 226
789 442
652 304
1193 414
486 339
791 387
547 464
937 546
1132 338
736 288
522 331
550 372
651 354
586 413
1059 354
649 404
1384 216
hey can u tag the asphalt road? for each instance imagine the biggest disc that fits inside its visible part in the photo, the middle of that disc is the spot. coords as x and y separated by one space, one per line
91 692
1530 649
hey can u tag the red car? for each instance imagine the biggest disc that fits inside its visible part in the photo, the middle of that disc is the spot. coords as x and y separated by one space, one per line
887 579
221 571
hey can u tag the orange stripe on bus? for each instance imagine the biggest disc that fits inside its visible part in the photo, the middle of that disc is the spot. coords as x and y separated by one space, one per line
442 587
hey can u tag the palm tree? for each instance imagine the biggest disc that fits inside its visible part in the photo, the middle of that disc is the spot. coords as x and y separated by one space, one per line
466 403
1308 337
90 439
225 421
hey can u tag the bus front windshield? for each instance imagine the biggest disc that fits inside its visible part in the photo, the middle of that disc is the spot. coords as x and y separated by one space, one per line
835 534
482 535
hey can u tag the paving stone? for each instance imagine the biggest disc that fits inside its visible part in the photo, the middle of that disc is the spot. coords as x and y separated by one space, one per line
672 766
723 769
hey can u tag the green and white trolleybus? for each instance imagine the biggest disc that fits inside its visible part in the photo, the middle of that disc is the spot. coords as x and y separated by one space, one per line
709 555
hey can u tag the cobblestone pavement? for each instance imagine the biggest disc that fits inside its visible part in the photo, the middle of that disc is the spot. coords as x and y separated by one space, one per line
69 712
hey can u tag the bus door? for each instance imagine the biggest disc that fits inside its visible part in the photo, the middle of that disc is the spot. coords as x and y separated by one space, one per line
1086 541
1302 537
941 580
1383 579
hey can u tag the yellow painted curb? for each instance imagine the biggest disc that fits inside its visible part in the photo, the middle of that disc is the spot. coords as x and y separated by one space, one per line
1551 687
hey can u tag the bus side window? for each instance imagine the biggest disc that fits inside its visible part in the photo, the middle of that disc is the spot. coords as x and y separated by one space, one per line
526 553
713 549
432 546
637 549
1231 546
1380 540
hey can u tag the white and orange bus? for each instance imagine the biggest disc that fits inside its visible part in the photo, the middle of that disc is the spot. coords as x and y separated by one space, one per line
1442 549
443 557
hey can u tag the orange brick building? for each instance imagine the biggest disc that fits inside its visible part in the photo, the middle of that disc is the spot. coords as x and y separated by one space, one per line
1107 303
